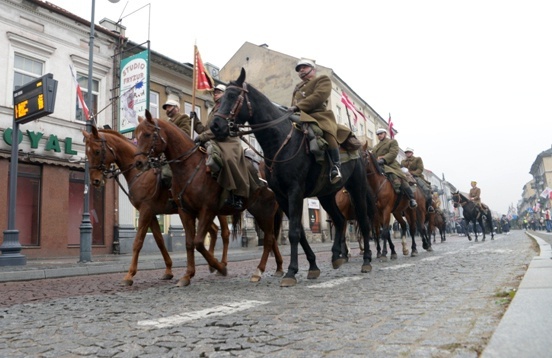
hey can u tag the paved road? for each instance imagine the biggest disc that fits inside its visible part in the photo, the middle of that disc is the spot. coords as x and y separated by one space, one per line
446 303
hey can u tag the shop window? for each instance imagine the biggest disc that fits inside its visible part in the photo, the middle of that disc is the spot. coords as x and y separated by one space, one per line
154 104
27 211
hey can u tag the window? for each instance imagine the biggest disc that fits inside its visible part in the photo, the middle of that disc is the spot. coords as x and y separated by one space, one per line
154 104
26 70
83 82
27 212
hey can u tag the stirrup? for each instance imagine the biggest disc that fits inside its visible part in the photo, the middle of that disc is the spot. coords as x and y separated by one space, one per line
335 175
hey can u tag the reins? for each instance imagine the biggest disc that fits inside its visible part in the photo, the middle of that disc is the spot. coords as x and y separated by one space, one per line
235 129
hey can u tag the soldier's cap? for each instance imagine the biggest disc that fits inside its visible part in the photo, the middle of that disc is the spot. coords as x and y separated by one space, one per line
220 88
304 62
381 130
171 102
409 150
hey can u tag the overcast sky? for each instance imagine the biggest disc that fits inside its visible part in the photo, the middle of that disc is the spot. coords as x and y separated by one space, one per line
468 83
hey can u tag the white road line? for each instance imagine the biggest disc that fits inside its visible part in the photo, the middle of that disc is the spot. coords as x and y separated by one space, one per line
433 258
336 282
396 267
222 310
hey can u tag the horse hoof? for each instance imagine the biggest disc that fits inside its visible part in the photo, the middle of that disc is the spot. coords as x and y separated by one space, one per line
337 263
414 254
366 268
288 282
406 252
378 255
167 277
255 278
212 269
313 274
223 271
183 282
430 249
393 256
279 273
383 258
127 282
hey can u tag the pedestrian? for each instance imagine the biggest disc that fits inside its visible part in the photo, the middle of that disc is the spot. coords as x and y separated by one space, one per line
233 173
548 220
310 98
415 166
386 152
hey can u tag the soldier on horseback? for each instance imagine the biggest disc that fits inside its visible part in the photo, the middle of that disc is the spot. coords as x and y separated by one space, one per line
415 166
386 152
475 196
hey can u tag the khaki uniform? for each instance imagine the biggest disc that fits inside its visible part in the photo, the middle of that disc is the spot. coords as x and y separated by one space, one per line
183 121
234 175
311 97
389 149
475 195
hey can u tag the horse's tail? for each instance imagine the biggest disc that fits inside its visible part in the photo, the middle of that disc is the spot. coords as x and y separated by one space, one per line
236 225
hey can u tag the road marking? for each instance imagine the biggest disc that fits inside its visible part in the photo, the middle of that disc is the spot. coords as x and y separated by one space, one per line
396 267
222 310
433 258
336 282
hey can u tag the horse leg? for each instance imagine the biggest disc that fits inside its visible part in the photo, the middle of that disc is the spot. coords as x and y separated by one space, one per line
385 237
213 232
345 250
189 228
293 212
136 247
225 235
156 231
205 222
475 229
314 271
392 246
329 204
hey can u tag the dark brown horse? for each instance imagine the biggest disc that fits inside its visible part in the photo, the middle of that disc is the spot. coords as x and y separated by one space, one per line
390 203
440 222
198 194
111 154
473 213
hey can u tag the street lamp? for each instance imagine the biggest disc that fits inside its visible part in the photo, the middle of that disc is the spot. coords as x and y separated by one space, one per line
86 225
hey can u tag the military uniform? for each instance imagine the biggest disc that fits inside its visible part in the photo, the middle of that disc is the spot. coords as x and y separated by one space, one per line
415 166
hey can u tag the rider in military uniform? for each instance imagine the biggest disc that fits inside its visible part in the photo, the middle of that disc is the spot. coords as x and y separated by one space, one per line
386 152
415 166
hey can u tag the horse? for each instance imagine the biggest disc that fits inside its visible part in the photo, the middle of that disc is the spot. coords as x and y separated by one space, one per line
198 195
111 154
389 203
440 224
293 173
473 213
344 204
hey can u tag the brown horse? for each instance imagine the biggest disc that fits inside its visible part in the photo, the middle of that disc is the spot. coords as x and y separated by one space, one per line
440 224
345 205
111 154
199 195
390 203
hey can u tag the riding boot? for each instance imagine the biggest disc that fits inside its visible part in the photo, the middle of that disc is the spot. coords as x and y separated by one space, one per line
408 191
335 171
234 201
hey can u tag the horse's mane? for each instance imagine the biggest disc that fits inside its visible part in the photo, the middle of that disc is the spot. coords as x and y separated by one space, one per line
116 134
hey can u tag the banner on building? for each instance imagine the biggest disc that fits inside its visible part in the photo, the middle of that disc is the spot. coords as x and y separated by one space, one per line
134 90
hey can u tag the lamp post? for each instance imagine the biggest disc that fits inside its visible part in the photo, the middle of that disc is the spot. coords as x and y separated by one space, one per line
86 225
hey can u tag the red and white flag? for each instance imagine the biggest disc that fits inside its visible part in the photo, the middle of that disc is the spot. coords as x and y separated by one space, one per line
390 130
349 105
80 96
204 82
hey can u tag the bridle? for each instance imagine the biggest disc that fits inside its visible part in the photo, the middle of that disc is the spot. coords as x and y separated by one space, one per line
458 199
235 129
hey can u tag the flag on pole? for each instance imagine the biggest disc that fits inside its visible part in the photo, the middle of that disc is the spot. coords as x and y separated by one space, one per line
80 96
390 130
546 193
349 105
204 82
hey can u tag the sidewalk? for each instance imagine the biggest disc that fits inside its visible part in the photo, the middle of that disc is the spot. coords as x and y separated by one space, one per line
525 329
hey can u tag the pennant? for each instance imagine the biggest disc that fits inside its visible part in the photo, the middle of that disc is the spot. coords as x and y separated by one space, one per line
204 82
80 96
546 193
390 129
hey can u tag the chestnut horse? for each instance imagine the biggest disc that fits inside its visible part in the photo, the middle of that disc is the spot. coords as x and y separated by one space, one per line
111 154
440 222
293 173
199 195
345 205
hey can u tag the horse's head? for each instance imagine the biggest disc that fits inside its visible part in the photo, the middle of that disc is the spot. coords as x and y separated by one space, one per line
371 162
456 199
231 110
151 141
98 155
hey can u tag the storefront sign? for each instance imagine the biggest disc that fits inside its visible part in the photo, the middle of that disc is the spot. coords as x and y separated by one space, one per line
52 142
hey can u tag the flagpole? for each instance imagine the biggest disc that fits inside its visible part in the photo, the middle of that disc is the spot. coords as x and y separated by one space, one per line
348 118
194 86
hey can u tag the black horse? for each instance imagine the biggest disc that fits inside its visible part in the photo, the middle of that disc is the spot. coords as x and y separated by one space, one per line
293 174
473 213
